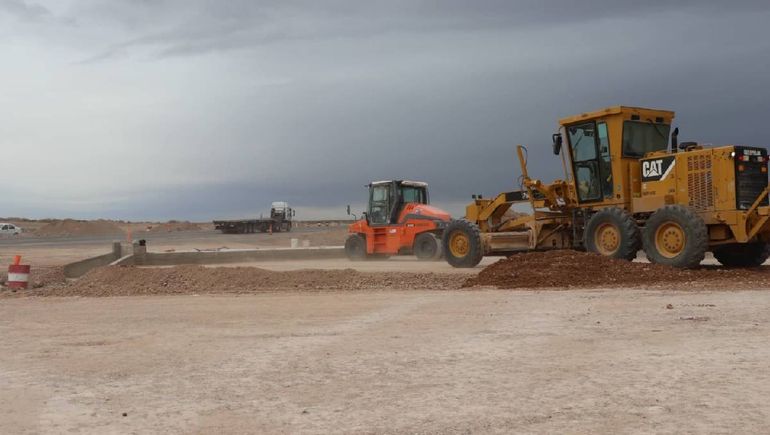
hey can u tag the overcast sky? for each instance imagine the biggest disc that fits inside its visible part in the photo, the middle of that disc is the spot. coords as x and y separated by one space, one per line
195 109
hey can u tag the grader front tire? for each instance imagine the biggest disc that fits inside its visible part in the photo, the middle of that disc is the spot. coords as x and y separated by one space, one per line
462 244
612 232
675 236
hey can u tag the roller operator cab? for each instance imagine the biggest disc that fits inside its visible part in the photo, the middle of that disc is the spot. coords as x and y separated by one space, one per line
630 184
398 220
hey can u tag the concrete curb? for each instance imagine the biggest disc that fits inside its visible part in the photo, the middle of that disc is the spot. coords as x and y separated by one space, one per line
80 268
142 258
126 259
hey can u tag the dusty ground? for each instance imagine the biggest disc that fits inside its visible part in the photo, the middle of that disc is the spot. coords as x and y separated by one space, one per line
614 361
347 348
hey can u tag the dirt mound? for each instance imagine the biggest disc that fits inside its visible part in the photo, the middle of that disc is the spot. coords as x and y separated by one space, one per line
71 227
169 227
129 280
571 269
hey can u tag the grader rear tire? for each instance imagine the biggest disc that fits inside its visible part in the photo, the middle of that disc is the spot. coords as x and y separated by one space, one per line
675 236
612 232
427 247
742 254
462 244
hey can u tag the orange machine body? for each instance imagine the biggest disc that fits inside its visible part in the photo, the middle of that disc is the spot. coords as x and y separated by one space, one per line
392 239
398 211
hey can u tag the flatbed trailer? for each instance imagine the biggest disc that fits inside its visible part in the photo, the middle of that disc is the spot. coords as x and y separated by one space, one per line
280 220
245 226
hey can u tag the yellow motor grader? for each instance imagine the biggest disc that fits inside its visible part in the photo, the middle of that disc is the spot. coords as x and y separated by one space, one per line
626 190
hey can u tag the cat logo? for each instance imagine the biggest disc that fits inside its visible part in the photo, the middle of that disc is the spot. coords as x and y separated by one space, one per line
651 168
657 169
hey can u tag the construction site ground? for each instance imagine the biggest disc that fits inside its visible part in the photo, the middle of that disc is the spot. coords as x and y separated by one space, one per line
381 347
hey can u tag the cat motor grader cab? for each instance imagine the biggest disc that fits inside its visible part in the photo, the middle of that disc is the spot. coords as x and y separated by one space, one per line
625 190
398 220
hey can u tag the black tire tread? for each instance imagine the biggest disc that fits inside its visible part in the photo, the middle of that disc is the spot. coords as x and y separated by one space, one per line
418 240
742 254
350 249
631 236
474 235
695 230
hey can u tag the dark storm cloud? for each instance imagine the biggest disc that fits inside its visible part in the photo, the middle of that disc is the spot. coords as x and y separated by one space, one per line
227 106
23 10
192 27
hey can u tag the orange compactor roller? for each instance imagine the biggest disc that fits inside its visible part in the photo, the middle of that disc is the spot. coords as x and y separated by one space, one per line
398 220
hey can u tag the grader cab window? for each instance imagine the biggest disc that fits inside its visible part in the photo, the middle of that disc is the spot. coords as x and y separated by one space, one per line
379 204
642 137
582 140
605 164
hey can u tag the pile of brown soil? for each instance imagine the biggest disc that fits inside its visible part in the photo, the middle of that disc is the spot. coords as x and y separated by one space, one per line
571 269
130 280
47 276
71 227
169 227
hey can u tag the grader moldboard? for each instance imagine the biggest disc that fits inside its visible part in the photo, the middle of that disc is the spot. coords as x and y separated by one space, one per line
625 190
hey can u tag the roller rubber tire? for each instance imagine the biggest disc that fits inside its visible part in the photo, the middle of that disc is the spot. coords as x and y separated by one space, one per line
355 247
427 247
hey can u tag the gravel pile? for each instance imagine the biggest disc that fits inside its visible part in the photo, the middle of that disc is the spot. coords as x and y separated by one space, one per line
573 269
129 280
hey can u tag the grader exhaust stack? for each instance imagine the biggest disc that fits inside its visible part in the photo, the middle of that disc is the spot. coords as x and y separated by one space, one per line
626 190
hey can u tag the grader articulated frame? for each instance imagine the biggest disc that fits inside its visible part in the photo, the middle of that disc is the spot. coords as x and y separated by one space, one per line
545 228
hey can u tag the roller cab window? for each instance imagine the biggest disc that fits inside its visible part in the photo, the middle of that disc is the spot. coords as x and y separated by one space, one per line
413 194
379 204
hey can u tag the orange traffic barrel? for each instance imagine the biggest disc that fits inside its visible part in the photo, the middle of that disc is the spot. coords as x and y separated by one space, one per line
18 276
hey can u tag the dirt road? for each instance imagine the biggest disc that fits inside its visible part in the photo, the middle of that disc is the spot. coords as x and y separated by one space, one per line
611 361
